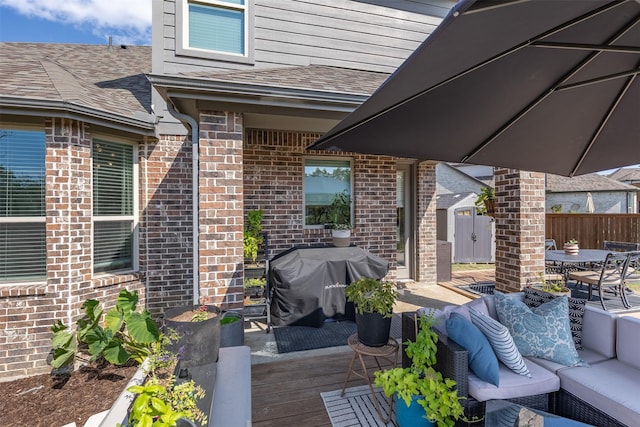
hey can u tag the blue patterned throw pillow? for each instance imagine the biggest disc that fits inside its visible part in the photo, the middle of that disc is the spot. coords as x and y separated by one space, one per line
482 359
542 331
501 342
535 298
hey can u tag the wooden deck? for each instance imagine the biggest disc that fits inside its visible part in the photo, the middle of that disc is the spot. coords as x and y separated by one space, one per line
286 393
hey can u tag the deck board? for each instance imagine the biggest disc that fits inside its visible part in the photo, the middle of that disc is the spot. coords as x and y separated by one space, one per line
286 393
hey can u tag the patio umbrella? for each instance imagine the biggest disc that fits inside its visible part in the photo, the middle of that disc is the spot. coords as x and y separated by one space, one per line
589 206
549 86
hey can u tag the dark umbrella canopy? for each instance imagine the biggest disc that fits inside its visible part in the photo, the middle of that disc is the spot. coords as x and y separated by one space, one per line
538 85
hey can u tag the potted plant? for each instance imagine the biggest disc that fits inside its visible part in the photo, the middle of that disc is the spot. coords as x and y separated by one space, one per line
486 201
253 237
554 287
571 247
422 396
340 217
373 300
199 329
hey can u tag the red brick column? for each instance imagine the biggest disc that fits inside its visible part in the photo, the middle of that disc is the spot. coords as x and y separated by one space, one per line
221 209
426 262
519 228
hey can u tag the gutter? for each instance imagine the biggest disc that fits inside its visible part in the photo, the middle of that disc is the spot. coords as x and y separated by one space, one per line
195 184
139 122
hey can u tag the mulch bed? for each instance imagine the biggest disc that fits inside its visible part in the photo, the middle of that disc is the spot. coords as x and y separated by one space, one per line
47 400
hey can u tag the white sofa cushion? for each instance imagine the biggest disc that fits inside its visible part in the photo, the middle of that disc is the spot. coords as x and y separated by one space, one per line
611 386
513 385
628 341
599 331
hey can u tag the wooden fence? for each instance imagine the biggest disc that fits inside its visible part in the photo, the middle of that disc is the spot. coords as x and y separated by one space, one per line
592 229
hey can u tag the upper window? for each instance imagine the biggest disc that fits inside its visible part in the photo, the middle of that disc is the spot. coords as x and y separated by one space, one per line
216 29
23 252
113 206
324 180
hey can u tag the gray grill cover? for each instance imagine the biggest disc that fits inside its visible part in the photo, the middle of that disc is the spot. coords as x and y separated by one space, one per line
308 283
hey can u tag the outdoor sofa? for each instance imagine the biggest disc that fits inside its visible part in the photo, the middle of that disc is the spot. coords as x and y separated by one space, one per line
604 393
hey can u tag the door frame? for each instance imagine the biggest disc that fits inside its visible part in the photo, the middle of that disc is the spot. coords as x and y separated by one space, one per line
409 270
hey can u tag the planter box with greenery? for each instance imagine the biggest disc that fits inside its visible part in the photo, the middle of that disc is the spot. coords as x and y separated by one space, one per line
373 300
155 396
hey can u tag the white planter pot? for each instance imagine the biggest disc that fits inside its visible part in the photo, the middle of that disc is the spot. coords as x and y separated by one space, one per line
341 238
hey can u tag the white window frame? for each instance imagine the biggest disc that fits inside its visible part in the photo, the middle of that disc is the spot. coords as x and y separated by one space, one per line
304 190
135 239
27 219
182 32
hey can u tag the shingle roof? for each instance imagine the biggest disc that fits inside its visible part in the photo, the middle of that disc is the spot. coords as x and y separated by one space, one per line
590 182
111 79
445 201
626 174
312 77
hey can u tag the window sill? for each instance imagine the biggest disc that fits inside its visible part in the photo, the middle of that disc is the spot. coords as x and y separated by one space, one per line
111 279
24 290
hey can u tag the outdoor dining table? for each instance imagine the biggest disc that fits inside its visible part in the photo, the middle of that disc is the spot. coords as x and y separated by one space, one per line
567 262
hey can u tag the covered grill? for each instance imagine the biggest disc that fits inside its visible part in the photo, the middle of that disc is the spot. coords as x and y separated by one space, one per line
308 283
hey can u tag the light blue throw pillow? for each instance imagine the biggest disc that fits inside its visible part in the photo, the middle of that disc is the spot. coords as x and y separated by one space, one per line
482 360
501 342
542 331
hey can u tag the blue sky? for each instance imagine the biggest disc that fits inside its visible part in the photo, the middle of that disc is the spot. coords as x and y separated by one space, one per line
76 21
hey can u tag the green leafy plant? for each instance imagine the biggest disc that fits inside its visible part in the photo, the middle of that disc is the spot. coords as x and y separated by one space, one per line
253 237
163 400
200 314
436 395
126 334
552 285
571 242
255 282
372 296
340 211
486 198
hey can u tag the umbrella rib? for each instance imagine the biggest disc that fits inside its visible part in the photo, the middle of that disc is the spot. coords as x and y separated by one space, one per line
601 79
603 123
556 86
584 46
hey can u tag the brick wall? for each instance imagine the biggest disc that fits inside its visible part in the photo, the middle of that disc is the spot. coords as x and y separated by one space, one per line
273 173
520 229
166 238
28 311
426 223
221 209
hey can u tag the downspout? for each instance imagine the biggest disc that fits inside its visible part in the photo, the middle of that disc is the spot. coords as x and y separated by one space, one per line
193 124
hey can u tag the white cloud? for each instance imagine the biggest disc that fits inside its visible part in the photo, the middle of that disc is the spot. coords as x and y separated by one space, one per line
128 21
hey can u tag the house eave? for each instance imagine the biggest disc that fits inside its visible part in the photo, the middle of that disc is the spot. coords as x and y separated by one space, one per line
62 109
253 97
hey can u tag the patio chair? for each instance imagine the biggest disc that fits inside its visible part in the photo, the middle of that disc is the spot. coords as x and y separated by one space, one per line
552 270
631 275
609 245
608 278
550 245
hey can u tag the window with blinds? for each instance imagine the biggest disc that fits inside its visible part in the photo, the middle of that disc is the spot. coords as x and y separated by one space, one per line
218 26
323 179
23 252
113 206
